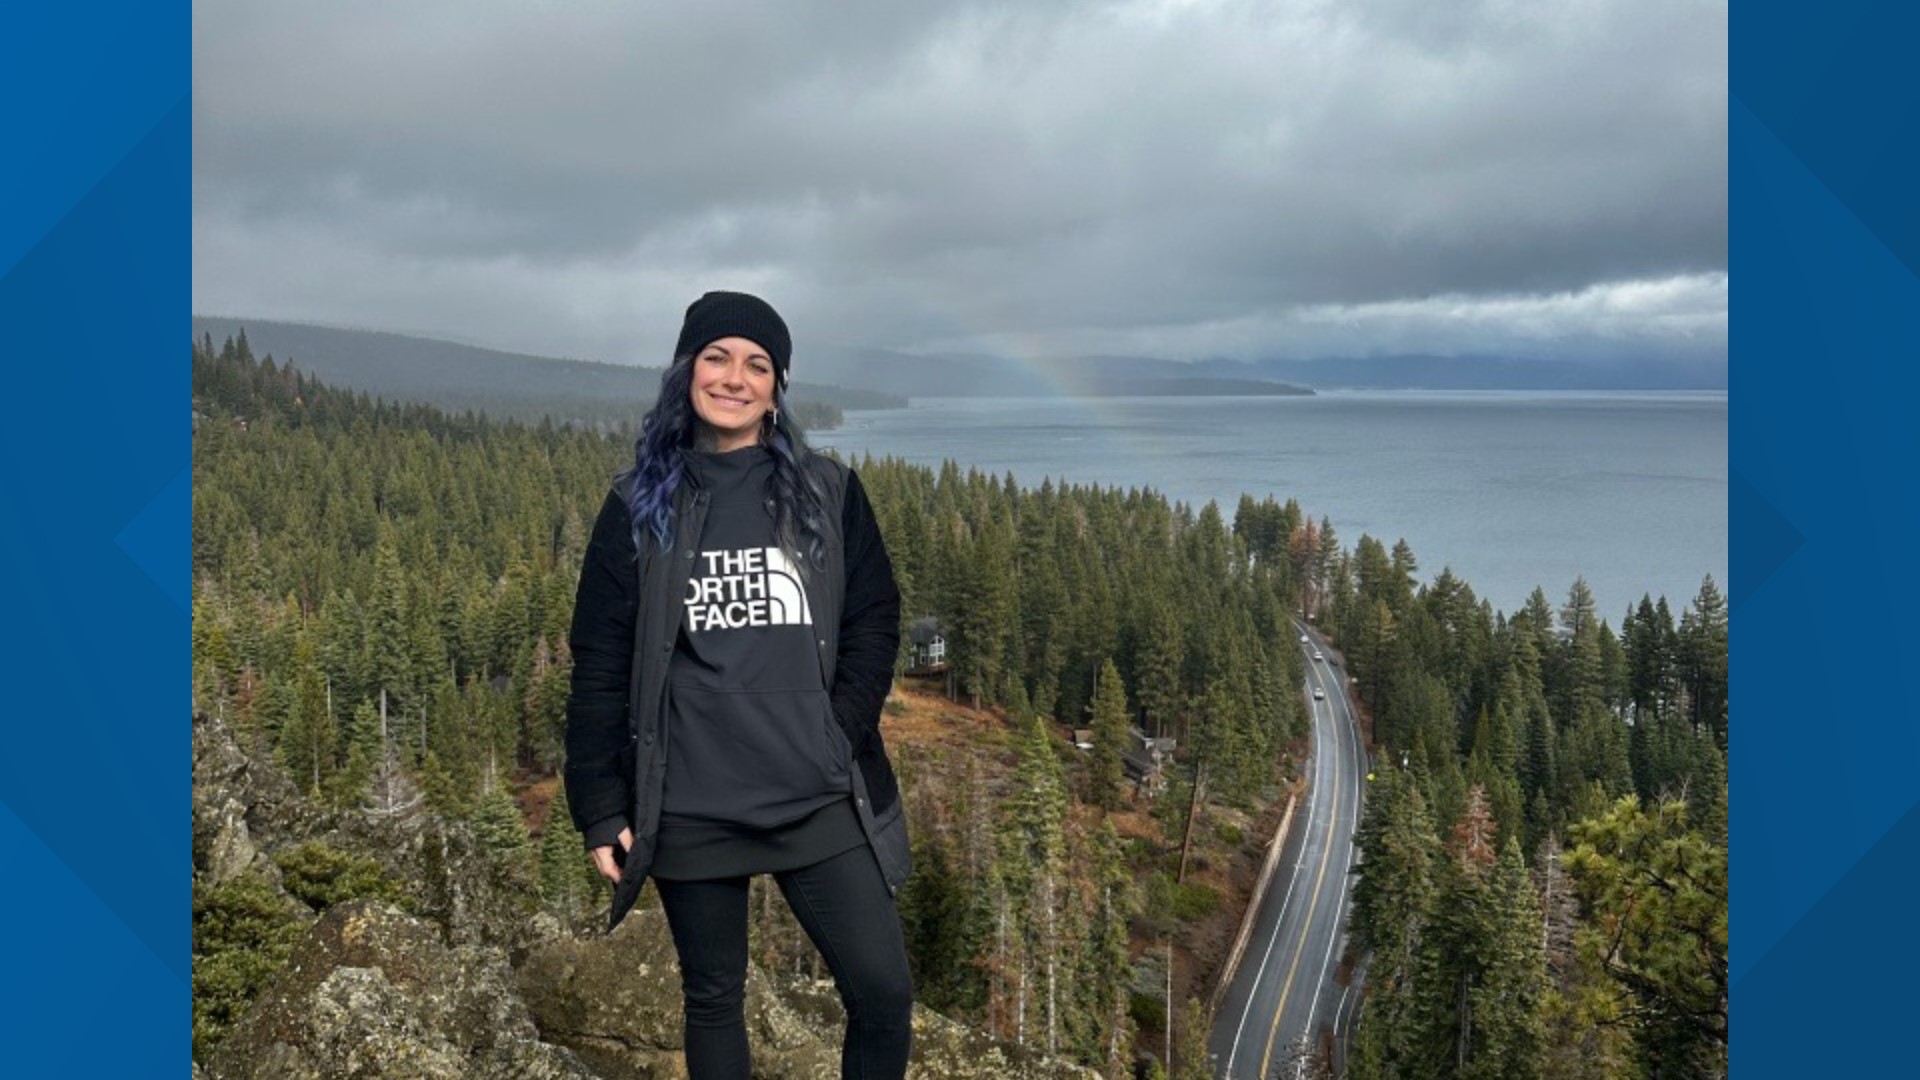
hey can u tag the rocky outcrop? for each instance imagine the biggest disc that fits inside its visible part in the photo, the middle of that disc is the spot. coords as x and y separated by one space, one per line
615 1001
235 799
476 985
373 992
245 809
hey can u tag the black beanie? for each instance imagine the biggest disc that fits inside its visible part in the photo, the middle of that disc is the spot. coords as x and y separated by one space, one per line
730 314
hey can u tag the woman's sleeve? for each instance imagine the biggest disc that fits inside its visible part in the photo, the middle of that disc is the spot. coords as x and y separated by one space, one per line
869 621
601 640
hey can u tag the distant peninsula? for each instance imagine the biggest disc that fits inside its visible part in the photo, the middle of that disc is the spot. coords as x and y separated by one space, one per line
1200 386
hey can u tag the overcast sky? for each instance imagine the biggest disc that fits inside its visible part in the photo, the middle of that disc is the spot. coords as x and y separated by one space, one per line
1541 178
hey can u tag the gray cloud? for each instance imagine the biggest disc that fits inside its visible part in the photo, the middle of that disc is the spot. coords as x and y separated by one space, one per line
1179 178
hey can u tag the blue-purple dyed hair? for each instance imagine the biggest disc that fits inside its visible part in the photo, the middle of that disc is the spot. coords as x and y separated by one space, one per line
659 466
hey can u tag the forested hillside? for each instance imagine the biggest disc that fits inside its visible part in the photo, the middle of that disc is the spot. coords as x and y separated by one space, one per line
1543 885
380 603
349 553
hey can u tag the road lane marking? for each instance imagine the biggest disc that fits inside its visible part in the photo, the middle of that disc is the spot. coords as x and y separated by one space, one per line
1260 972
1306 930
1339 913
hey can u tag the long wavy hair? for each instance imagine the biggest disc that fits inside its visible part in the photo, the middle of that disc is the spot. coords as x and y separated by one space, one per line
659 466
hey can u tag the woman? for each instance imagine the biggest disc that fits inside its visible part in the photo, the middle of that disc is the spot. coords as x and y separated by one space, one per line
733 639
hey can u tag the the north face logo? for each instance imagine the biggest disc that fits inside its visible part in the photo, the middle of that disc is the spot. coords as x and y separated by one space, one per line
748 587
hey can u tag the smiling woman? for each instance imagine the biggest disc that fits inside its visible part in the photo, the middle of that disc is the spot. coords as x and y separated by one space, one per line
750 577
732 392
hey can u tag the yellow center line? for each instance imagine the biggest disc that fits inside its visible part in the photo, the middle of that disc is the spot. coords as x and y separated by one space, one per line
1326 853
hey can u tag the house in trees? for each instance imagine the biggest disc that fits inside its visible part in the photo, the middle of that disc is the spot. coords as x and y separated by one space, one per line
929 656
1146 759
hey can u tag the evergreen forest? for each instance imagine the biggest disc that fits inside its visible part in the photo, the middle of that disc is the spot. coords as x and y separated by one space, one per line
381 597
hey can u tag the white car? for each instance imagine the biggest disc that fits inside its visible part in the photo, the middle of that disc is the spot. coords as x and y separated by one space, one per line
1303 639
1317 655
1319 694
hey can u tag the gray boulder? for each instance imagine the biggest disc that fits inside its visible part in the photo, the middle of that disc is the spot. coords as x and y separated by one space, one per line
372 992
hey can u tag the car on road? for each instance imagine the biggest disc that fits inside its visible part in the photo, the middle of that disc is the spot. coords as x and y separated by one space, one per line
1303 639
1318 655
1319 694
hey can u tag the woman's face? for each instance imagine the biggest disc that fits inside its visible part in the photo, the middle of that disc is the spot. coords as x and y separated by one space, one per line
732 391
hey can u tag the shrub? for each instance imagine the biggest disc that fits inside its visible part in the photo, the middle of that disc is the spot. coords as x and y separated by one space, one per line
242 932
1193 902
320 875
1148 1012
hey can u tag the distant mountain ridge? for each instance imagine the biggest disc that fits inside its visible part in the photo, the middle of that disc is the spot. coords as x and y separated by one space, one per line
454 376
974 375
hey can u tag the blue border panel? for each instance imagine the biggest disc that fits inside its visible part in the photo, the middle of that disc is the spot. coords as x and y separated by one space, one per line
94 304
1824 126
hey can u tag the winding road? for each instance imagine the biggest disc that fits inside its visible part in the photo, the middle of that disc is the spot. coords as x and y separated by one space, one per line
1284 994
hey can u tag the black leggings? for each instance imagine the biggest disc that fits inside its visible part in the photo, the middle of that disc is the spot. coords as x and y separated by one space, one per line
843 905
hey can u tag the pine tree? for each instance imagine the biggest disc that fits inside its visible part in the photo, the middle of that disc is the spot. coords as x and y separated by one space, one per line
1159 684
389 629
569 884
1481 968
390 791
934 916
546 702
1704 647
1398 855
500 830
1193 1061
1109 738
360 738
1505 1001
982 612
309 741
1326 556
1031 848
1655 892
1107 961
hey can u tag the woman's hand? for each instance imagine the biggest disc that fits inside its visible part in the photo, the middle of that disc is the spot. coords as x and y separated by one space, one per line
608 859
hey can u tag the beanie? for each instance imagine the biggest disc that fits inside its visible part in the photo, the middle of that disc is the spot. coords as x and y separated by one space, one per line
730 314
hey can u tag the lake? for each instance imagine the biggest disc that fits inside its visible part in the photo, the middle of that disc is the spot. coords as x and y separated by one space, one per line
1512 489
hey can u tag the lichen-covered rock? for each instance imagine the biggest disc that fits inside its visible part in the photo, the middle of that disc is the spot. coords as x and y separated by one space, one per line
230 849
945 1050
615 1001
371 992
235 799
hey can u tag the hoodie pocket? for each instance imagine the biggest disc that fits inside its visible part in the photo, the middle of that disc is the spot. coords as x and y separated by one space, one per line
753 758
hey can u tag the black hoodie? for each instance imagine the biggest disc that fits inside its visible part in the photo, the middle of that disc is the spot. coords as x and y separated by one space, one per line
759 774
